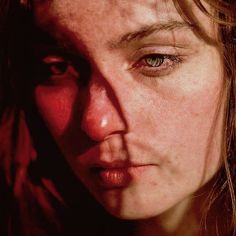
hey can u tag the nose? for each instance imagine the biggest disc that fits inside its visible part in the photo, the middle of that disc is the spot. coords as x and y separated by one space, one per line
102 115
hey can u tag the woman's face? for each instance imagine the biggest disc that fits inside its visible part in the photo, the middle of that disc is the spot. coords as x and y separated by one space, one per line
133 100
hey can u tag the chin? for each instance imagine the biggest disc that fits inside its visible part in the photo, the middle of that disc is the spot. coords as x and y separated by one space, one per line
129 208
129 214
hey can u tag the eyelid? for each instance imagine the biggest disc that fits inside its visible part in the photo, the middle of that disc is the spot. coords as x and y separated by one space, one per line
172 58
57 70
53 59
169 64
155 49
78 68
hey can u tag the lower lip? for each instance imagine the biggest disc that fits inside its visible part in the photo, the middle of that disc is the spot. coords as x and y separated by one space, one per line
118 177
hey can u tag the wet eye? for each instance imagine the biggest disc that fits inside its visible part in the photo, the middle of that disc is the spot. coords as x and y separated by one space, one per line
154 60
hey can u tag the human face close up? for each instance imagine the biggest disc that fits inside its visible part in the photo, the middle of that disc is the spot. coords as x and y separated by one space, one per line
133 101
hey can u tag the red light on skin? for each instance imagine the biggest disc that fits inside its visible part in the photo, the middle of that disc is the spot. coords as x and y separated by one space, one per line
58 104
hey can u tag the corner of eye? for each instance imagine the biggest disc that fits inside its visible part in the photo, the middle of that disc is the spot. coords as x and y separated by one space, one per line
127 66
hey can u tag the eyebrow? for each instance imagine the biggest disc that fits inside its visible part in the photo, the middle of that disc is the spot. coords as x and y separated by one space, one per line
123 41
146 31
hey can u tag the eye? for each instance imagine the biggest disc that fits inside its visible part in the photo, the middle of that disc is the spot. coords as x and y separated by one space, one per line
57 69
153 65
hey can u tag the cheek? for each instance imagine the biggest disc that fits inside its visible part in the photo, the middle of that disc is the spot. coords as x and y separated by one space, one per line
56 106
189 99
183 120
169 112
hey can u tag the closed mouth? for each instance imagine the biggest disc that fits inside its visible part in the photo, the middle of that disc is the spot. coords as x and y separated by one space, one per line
116 177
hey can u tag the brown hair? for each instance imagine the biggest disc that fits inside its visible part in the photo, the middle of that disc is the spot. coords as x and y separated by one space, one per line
37 194
222 196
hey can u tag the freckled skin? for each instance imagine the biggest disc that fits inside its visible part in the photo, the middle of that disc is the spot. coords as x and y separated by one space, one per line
173 122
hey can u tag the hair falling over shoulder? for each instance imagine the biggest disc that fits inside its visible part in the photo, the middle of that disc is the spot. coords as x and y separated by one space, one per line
34 194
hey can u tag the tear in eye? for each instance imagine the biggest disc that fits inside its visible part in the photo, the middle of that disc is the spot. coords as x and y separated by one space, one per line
154 60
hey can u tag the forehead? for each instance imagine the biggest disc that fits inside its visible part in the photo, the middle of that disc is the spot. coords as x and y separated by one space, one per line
93 21
80 15
84 10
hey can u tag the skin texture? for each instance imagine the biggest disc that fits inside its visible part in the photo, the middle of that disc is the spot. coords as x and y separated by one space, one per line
142 138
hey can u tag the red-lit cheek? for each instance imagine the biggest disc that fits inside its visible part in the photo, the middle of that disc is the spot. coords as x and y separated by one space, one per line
56 106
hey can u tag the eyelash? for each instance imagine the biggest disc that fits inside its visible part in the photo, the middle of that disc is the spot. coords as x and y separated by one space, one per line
163 64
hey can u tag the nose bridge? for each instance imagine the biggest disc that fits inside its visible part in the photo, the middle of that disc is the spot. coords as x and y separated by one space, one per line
102 114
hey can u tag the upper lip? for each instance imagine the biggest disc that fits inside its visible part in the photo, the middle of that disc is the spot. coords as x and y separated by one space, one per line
95 162
91 159
94 158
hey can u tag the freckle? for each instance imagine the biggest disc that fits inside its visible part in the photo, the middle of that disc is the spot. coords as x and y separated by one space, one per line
154 184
